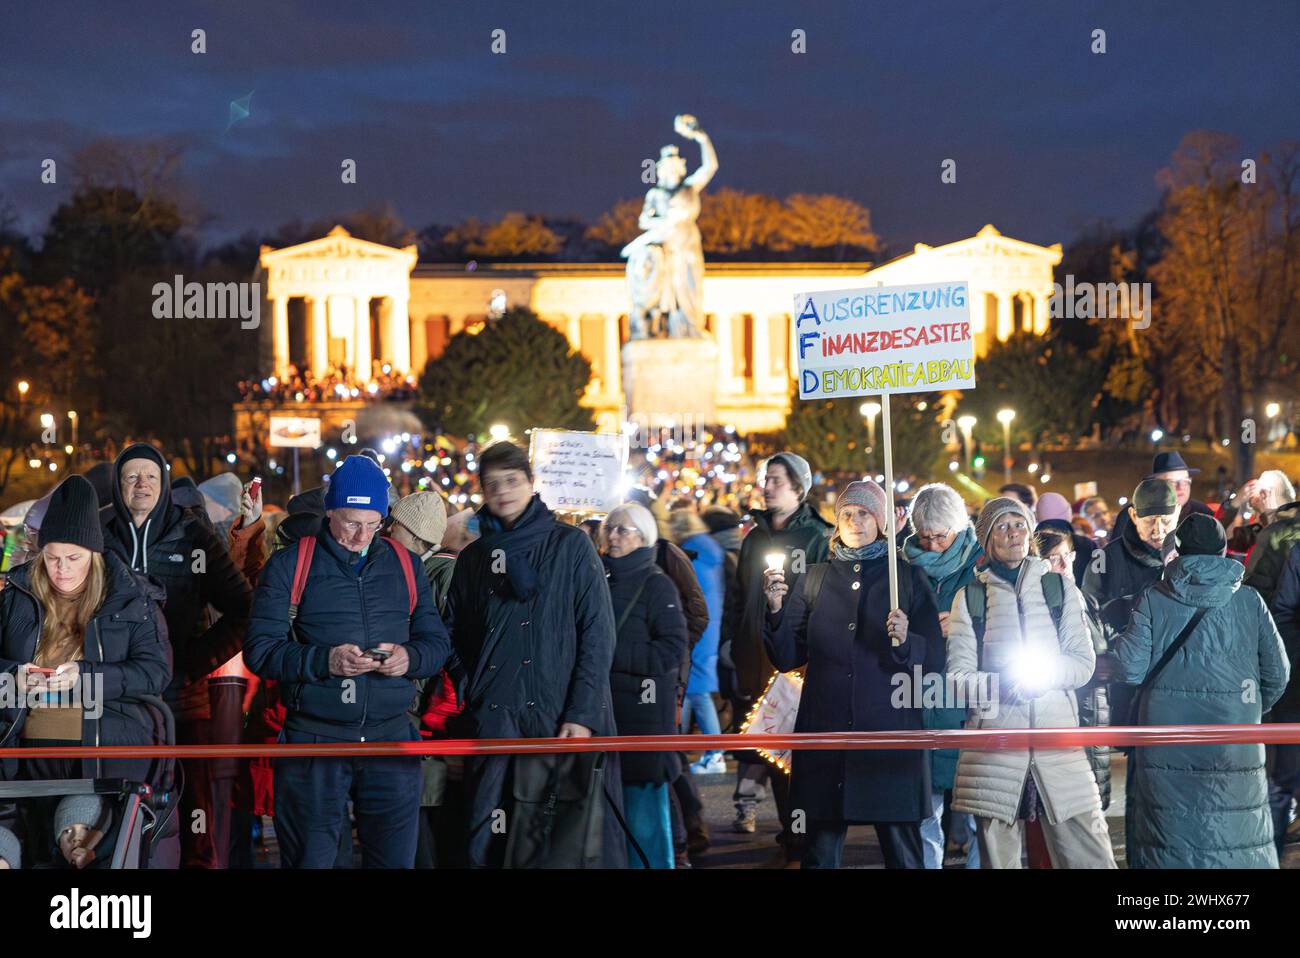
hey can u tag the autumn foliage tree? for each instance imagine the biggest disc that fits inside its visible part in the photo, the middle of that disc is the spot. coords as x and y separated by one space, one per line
1227 278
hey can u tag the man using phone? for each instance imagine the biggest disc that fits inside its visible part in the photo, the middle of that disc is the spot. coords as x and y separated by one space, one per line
348 655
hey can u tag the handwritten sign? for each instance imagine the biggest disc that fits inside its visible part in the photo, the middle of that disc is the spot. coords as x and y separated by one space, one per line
295 431
884 339
579 471
775 713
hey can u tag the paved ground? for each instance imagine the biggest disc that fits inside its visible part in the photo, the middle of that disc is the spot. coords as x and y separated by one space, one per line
760 850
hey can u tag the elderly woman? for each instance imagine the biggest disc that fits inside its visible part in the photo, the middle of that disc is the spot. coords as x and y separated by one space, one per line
1018 643
651 646
837 624
83 638
943 546
1201 806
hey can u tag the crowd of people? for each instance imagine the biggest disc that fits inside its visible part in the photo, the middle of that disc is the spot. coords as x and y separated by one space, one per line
361 615
337 382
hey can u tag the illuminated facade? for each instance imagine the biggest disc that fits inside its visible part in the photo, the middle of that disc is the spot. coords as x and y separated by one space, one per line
344 301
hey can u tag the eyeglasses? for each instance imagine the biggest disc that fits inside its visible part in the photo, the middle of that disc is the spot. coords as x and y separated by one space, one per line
1182 483
624 530
1063 560
935 537
352 528
502 483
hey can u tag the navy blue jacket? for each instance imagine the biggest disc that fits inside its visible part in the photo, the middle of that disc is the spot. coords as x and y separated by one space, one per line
339 607
1286 613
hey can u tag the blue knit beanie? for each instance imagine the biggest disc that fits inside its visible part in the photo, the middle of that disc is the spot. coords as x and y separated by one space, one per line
358 484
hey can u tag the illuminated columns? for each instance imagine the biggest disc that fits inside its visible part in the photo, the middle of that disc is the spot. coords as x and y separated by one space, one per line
280 334
319 336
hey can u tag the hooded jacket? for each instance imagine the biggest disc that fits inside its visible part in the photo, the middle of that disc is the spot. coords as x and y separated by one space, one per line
182 554
805 540
1286 614
125 648
1269 554
1202 806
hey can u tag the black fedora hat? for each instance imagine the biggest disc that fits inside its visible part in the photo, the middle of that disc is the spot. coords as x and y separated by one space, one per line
1169 462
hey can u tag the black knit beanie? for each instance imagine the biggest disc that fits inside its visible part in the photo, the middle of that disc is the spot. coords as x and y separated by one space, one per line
73 516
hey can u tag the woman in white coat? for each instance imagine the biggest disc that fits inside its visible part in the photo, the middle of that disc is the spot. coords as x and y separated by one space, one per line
1021 672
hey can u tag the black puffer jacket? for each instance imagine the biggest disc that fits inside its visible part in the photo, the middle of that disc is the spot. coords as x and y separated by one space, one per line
651 643
190 562
125 648
533 664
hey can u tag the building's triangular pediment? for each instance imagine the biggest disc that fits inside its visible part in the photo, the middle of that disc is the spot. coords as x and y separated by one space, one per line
338 244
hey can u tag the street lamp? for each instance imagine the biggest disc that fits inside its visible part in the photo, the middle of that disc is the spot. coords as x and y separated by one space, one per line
1005 416
966 424
498 431
1272 409
870 410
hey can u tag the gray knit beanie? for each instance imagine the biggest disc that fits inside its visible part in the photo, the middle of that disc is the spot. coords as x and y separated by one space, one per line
992 511
79 810
798 468
871 497
10 850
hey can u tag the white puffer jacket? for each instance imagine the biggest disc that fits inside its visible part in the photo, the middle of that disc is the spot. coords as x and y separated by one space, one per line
990 783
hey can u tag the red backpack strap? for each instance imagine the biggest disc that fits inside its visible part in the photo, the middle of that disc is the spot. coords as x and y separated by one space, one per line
306 549
408 572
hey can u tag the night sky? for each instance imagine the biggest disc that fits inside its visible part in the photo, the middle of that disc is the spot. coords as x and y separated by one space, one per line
1047 135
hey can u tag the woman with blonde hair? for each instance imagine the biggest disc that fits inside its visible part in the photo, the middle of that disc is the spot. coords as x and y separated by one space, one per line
82 638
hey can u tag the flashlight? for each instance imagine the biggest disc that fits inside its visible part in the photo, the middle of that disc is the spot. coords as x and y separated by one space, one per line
776 561
1032 669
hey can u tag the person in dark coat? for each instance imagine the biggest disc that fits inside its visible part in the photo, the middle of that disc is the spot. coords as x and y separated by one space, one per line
644 677
533 626
1284 781
790 525
180 551
1201 806
856 652
81 612
347 659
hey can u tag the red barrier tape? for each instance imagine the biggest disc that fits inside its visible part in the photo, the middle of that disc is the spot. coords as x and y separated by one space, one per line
1267 734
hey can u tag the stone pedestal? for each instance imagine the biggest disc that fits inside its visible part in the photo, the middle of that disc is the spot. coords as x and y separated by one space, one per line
671 378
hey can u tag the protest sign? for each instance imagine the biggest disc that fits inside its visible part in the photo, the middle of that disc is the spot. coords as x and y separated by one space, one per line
884 339
774 714
579 471
295 432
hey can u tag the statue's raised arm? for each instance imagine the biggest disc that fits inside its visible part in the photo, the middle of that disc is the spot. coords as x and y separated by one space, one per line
689 127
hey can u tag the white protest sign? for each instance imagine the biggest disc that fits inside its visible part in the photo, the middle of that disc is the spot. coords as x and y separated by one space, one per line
579 471
295 432
775 713
884 340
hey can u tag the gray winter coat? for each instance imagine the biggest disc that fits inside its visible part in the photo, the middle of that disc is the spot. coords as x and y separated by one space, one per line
1202 806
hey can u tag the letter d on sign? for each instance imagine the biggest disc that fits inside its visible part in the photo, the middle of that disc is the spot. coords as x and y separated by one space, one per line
809 382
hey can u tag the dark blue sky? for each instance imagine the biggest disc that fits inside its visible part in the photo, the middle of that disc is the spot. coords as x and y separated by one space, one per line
1047 135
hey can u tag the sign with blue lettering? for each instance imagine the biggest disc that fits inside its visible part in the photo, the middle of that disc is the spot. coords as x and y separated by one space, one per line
884 339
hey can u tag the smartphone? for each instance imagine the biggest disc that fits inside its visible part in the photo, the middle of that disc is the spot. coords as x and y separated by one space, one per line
379 655
35 669
255 487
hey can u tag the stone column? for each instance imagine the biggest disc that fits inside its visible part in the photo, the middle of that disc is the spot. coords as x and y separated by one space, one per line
726 362
397 334
362 347
419 347
319 336
762 356
613 368
280 334
1041 318
1005 318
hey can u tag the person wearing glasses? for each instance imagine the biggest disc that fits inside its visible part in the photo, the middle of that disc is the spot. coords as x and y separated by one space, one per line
943 546
1020 648
347 656
181 552
644 677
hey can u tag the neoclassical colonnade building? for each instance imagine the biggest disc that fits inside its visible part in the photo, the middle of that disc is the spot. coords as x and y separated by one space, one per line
343 301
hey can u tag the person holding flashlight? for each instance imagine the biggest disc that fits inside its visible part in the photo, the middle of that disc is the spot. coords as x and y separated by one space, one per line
1019 665
837 624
